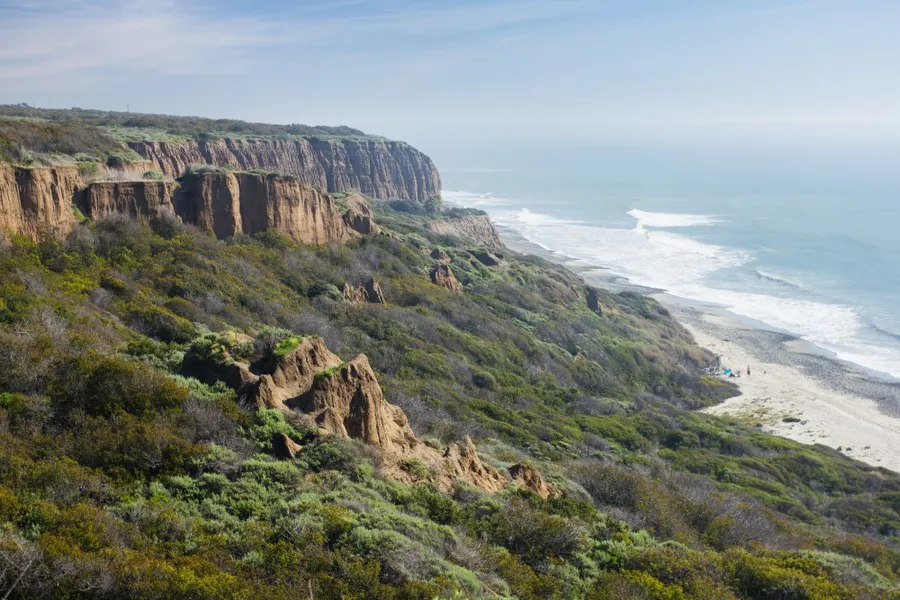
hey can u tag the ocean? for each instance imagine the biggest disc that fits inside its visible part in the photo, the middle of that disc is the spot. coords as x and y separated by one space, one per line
804 240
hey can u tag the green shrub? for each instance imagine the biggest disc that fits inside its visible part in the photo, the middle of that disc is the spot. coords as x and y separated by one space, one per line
416 468
103 386
284 346
161 323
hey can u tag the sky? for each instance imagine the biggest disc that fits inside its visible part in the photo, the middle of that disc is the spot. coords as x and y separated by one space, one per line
465 69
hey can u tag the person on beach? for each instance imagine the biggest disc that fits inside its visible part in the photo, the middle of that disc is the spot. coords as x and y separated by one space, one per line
748 370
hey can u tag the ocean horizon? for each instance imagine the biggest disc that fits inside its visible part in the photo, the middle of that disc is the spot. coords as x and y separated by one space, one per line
801 241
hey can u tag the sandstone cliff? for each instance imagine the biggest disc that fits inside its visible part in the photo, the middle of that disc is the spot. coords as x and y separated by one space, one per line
43 200
136 199
377 168
344 399
36 200
475 228
245 203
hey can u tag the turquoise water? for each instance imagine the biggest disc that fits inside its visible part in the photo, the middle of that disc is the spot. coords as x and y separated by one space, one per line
803 239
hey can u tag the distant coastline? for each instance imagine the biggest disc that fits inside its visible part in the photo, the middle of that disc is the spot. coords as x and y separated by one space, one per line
798 391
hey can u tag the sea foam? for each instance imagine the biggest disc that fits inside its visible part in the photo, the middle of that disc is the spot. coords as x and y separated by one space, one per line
664 220
650 254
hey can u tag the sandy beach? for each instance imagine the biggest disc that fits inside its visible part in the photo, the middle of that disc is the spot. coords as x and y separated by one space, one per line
797 394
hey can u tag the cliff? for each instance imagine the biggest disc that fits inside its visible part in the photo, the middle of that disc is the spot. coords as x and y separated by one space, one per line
43 199
245 203
377 168
136 199
475 228
37 200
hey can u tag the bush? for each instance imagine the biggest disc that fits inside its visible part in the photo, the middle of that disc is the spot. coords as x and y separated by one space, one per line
416 468
103 386
155 321
484 380
270 340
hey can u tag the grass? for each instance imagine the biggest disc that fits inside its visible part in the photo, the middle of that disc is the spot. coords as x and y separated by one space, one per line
285 346
326 373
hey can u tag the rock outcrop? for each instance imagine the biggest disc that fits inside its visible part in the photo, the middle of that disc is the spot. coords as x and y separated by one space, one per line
377 168
488 259
370 292
443 276
343 399
284 447
475 228
358 216
530 478
460 461
596 304
38 200
291 375
439 255
348 401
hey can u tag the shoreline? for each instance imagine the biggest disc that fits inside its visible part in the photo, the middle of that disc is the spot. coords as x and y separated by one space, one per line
804 397
826 400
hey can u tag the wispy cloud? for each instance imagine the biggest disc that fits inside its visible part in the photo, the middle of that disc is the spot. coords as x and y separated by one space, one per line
46 39
53 38
64 42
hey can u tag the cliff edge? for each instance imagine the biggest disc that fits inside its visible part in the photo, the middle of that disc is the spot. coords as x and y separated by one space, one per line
377 168
475 228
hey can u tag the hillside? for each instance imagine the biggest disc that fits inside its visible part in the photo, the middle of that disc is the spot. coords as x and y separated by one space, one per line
405 414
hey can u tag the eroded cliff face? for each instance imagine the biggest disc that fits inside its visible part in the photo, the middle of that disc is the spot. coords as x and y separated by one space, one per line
37 200
304 212
136 199
244 203
345 399
475 228
368 292
377 168
229 204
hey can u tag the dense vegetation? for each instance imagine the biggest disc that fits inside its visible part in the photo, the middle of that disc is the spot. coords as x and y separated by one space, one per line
29 141
121 478
48 136
127 126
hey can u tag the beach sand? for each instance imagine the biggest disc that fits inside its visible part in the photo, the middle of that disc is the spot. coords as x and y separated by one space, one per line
833 401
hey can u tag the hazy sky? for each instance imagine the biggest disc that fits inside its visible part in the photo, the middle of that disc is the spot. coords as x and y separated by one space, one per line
424 69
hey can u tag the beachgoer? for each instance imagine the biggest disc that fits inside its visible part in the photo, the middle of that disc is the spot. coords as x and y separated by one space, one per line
748 370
